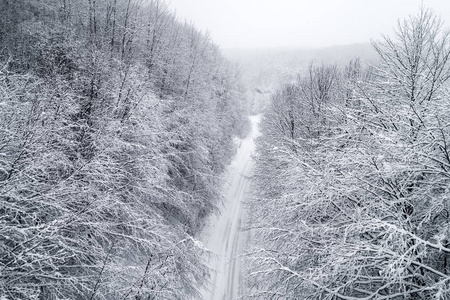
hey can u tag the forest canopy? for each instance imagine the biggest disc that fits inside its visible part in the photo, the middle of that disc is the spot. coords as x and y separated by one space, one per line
353 173
116 120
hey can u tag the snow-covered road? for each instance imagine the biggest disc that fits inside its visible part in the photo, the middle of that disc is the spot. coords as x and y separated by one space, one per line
224 235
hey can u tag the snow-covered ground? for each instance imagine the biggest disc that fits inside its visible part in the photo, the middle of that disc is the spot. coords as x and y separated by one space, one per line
224 235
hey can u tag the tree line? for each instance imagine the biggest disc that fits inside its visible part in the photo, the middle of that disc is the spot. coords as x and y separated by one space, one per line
353 176
116 120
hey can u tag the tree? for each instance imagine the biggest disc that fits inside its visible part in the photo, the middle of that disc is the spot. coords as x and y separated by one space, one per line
359 210
107 169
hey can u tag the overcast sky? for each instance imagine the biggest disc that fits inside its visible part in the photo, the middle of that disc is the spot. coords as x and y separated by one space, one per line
299 23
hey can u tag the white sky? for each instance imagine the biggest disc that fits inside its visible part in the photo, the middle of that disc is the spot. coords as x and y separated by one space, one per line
299 23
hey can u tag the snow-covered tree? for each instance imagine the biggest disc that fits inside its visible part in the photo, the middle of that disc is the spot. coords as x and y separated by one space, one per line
111 113
359 210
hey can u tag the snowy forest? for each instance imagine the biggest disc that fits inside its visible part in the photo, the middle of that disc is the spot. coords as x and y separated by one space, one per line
139 160
116 120
353 174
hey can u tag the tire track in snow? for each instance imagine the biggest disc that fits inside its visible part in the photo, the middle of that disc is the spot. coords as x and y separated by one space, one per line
224 236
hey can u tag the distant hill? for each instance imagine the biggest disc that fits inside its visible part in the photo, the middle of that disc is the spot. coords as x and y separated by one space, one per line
329 55
266 69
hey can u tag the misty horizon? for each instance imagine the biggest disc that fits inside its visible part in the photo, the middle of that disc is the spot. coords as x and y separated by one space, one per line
251 24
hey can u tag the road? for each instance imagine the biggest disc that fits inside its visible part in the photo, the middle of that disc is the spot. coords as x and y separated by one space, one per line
224 235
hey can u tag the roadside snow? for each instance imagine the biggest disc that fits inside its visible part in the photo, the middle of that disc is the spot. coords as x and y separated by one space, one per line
224 235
